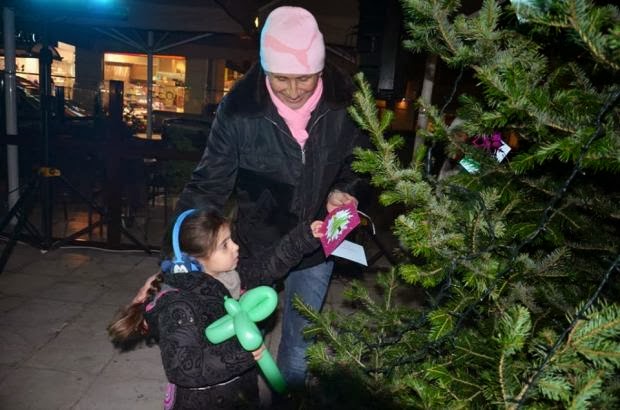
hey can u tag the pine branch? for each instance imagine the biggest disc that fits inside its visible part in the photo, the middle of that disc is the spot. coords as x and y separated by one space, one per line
590 389
315 317
533 379
609 104
547 213
586 28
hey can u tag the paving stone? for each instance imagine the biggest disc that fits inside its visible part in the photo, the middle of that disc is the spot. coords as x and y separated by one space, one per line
88 358
94 317
42 389
17 348
21 256
8 302
57 263
68 350
42 313
69 291
131 380
20 283
98 271
6 371
112 392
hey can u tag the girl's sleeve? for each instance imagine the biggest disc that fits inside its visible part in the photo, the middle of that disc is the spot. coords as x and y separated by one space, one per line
189 359
274 263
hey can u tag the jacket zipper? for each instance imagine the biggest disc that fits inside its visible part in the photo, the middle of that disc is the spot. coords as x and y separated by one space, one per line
303 150
317 120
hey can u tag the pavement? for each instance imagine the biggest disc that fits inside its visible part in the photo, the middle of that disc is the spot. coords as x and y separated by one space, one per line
55 353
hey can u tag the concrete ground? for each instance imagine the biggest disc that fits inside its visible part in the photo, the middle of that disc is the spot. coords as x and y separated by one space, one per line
54 308
54 350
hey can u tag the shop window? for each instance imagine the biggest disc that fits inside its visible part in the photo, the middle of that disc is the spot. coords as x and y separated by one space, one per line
230 77
168 83
63 68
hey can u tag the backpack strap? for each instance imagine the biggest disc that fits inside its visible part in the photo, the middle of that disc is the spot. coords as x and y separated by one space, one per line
164 289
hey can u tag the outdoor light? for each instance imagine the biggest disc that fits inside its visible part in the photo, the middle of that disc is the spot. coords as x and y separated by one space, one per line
83 8
402 104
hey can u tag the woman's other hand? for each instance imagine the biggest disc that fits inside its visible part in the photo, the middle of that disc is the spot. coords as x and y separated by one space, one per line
316 228
338 198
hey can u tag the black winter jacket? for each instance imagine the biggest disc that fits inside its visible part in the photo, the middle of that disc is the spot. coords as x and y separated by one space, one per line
252 156
178 317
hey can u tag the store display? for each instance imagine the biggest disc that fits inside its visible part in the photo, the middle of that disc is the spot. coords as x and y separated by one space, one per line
168 84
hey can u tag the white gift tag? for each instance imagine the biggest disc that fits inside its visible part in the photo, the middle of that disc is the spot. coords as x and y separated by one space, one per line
502 151
351 251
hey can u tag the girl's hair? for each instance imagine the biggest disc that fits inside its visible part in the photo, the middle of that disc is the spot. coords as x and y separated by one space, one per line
198 234
198 238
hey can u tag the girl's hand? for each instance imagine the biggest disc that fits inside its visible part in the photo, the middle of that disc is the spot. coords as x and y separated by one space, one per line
338 198
144 290
258 353
316 229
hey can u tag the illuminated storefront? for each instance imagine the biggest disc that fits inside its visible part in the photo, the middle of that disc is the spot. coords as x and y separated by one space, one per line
168 81
182 86
230 78
63 68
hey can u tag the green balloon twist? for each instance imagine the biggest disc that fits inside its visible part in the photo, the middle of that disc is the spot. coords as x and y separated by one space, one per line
254 306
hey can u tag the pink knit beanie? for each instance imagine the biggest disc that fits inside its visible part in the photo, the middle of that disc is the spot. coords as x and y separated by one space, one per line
291 42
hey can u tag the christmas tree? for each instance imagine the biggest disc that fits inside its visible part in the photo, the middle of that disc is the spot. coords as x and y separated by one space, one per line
517 249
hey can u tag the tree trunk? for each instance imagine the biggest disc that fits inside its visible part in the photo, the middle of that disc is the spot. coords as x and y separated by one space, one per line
426 95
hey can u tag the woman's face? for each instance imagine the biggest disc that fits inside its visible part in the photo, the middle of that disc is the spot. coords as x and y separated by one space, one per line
224 257
293 90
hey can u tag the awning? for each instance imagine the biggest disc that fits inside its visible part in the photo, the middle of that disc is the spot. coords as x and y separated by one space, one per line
156 15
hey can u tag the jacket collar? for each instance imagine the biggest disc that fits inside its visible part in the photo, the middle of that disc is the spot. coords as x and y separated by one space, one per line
184 281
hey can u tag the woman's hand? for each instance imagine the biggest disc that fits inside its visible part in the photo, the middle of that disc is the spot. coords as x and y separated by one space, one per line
258 353
144 290
338 198
316 229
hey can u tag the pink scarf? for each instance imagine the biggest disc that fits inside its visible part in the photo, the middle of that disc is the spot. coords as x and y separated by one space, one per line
297 120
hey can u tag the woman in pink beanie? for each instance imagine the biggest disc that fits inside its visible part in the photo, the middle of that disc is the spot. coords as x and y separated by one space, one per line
281 146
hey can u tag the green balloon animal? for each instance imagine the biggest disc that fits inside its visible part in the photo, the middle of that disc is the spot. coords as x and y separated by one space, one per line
253 306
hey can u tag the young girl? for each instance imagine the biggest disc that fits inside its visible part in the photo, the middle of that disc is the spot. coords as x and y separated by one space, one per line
180 306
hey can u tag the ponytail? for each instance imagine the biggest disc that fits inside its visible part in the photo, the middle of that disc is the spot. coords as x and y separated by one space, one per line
128 328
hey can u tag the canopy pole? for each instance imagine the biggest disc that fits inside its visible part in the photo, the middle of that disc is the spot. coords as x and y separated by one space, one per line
10 104
149 87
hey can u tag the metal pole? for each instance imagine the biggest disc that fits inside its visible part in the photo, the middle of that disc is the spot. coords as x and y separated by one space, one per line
45 95
59 108
114 178
10 104
149 87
